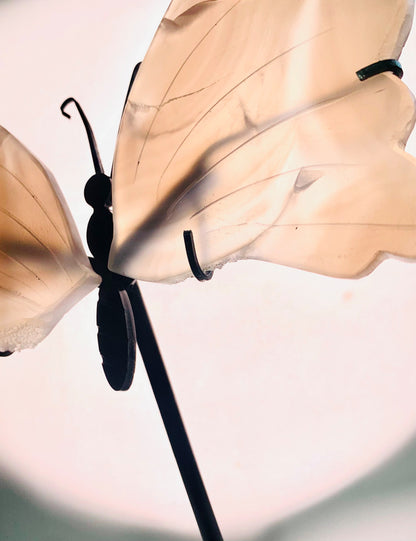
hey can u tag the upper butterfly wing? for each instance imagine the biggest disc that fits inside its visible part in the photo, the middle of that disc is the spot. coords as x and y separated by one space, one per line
43 267
248 125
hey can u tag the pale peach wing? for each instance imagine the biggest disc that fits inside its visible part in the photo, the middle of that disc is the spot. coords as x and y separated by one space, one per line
43 267
248 125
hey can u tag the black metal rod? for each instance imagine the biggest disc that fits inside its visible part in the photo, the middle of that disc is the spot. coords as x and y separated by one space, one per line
172 419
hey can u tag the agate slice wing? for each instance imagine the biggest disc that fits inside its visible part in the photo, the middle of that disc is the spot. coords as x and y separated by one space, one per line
247 124
43 267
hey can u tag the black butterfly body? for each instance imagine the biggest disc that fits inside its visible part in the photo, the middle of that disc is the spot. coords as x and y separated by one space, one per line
116 328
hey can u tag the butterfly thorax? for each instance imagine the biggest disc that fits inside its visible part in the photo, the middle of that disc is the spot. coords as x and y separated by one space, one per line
97 194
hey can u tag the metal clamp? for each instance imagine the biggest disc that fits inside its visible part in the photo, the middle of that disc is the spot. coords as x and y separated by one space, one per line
196 269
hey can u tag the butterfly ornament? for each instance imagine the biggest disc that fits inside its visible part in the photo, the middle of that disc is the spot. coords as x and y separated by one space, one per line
253 129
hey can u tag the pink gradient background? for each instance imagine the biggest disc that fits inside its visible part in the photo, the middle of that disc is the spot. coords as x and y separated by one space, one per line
291 385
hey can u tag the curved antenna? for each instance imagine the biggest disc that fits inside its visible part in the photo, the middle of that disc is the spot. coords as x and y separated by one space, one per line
91 139
196 269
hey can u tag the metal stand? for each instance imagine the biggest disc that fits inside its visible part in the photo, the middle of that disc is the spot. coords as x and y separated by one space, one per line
172 420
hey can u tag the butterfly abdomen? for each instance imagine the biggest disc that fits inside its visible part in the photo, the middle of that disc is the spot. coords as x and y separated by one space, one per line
116 331
116 335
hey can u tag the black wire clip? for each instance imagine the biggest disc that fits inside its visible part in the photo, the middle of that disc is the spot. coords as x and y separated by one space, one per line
381 66
196 269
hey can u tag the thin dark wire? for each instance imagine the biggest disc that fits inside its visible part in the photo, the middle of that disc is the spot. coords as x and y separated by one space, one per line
172 419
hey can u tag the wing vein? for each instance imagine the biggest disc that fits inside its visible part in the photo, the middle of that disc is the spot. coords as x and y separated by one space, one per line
280 120
266 179
229 92
18 296
7 275
176 76
64 240
22 225
16 260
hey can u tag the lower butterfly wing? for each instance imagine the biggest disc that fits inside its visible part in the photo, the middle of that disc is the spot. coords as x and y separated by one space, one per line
247 121
44 270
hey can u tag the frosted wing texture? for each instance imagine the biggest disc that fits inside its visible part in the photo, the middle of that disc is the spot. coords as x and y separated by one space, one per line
43 268
248 125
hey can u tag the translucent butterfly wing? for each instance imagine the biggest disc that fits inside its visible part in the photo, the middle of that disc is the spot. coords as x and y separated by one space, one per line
248 125
43 267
